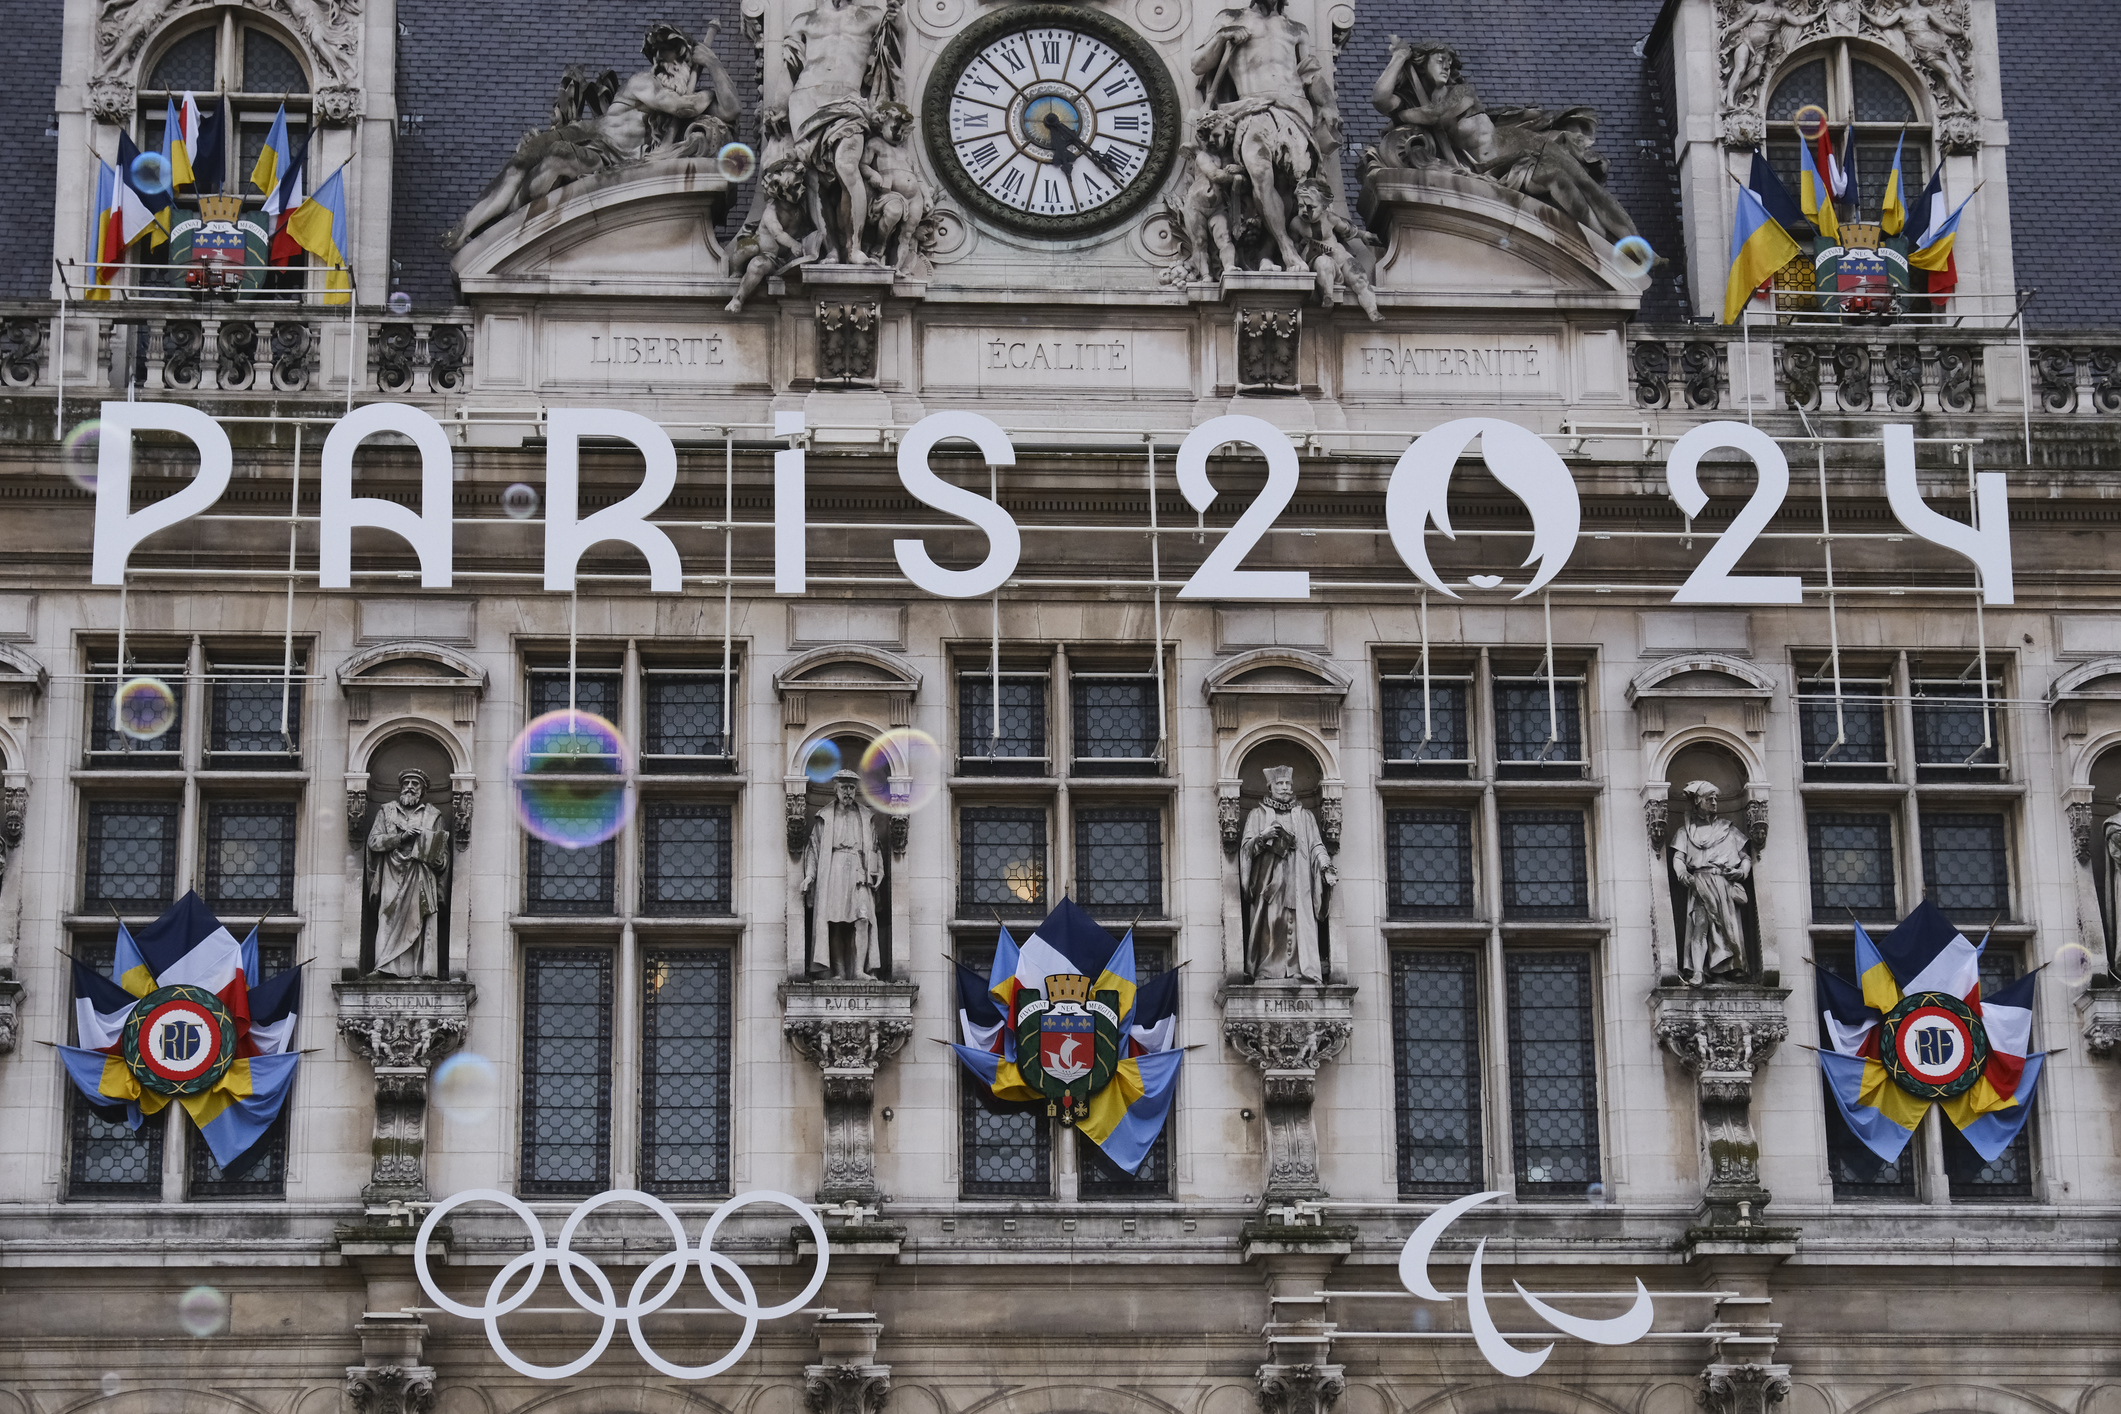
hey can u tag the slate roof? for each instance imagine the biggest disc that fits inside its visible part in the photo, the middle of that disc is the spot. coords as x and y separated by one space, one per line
29 175
2060 92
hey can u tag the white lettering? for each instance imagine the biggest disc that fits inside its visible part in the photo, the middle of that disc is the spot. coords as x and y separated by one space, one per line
118 528
338 511
1004 544
566 539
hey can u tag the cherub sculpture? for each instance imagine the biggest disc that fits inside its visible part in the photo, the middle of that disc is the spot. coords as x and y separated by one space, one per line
1324 235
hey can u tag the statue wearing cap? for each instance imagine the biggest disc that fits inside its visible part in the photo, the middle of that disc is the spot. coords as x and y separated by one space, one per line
1285 872
1712 860
408 848
842 867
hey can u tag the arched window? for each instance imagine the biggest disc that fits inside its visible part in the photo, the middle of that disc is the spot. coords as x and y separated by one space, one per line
235 56
1851 89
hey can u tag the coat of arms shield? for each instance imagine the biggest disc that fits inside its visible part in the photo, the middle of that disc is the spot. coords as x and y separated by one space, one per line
1067 1042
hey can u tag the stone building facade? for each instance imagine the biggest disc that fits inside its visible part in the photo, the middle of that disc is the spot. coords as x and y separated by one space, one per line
1495 746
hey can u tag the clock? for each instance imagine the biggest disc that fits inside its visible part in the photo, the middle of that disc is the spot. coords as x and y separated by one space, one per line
1051 121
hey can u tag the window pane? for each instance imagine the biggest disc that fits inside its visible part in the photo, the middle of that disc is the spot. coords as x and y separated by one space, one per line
1115 723
1860 725
1948 737
269 67
1002 862
262 1171
1856 1172
105 1158
685 859
1523 725
682 715
1436 1064
1804 85
1100 1177
593 692
575 881
246 717
1543 873
1119 861
685 1024
1964 867
1852 865
1020 750
132 855
187 64
250 856
103 733
1429 863
1446 722
566 1071
1553 1072
1879 98
1006 1148
2011 1175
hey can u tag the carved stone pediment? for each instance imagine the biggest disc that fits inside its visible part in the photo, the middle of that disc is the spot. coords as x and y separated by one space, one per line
646 229
1696 689
1461 238
1278 682
847 678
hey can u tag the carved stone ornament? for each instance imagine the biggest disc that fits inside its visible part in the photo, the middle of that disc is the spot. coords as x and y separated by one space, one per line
1657 820
846 342
797 820
846 1389
2101 1009
1743 1389
1934 37
327 31
2083 825
14 810
357 816
1267 343
10 1012
1721 1035
460 806
402 1029
847 1030
1230 821
339 104
1287 1031
390 1389
1300 1389
111 101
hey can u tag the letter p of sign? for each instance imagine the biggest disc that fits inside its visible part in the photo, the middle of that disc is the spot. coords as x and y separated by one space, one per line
118 527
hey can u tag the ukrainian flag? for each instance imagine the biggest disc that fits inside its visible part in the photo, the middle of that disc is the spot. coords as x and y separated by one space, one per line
1892 215
319 227
275 158
1759 247
1816 196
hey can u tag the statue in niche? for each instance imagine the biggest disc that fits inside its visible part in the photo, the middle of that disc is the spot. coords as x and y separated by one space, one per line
2106 874
1712 860
408 850
1286 874
1262 75
842 867
845 57
600 125
1438 120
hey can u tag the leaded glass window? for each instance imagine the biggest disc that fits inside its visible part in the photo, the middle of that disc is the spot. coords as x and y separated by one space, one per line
269 66
1957 731
1855 1171
105 1158
1849 745
1543 871
262 1171
1099 1176
1436 1069
132 855
1535 734
187 64
593 692
1115 724
250 856
685 858
1019 749
681 723
559 880
1429 864
1119 861
566 1070
1005 1147
1965 866
1001 861
104 736
1852 865
243 728
1553 1072
685 1033
2011 1175
1434 741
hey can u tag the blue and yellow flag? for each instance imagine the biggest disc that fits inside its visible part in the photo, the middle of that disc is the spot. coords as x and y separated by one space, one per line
319 227
275 159
1892 215
1759 247
1816 195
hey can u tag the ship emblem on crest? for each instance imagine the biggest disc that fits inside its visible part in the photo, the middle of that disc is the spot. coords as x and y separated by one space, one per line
1067 1043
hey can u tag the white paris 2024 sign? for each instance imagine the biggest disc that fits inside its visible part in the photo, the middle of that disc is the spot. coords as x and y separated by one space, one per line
1518 458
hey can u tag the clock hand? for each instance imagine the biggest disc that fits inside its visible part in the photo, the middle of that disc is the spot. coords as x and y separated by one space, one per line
1064 138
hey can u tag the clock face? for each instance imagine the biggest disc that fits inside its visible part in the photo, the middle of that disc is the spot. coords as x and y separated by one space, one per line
1050 120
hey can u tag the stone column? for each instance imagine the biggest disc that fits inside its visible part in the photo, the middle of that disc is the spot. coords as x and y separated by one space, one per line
1297 1251
1743 1389
390 1378
401 1028
848 1029
847 1379
1721 1034
1288 1030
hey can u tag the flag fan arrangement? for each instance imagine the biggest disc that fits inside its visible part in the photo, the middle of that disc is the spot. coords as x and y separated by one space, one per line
1914 1030
184 1017
1061 1019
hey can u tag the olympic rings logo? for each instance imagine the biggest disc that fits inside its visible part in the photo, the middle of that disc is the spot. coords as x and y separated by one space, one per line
676 1262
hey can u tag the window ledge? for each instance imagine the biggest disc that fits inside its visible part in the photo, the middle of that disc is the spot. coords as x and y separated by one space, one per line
103 775
1468 787
1587 789
2018 931
561 922
1874 789
703 782
689 922
1003 785
1554 927
1123 785
88 921
1434 927
261 778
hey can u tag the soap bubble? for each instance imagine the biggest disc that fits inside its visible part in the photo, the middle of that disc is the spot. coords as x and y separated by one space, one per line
1503 243
110 1383
151 173
145 709
823 763
902 771
81 451
1810 121
400 303
467 1088
520 501
1634 255
202 1311
737 161
569 771
1596 1193
1422 1319
2074 964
